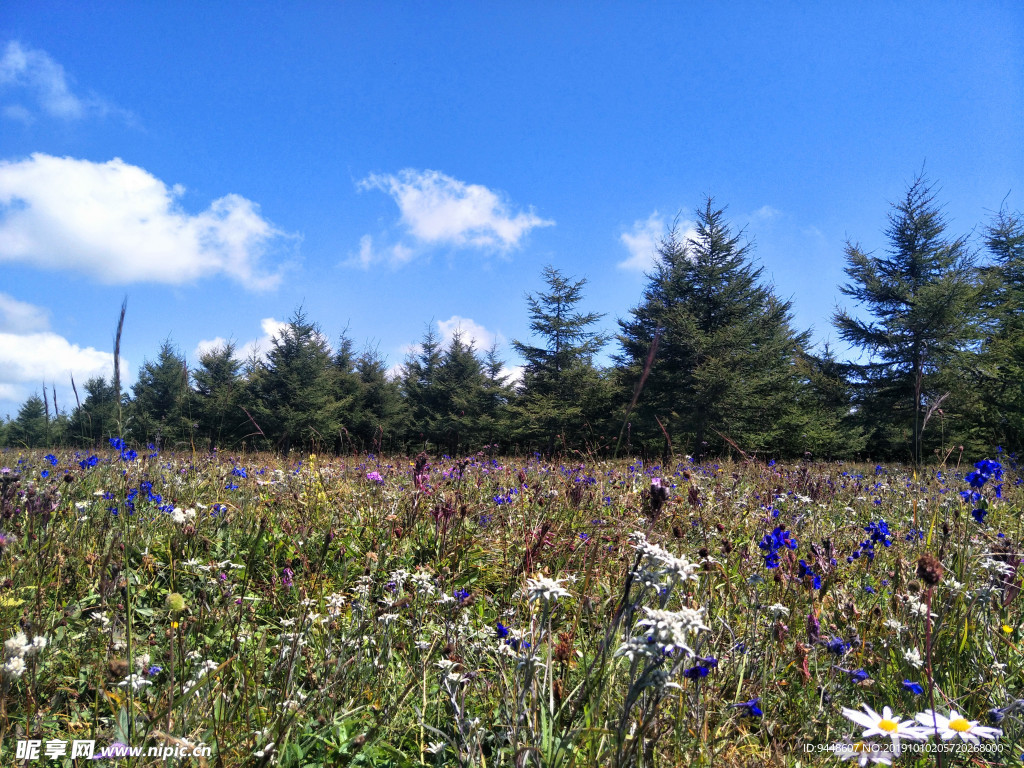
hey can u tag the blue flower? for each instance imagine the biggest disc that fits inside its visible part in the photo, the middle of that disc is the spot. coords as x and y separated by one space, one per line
837 646
984 471
502 631
695 673
979 514
51 458
750 708
914 688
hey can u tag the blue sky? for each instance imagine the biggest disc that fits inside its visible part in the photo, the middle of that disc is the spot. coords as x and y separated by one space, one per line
385 165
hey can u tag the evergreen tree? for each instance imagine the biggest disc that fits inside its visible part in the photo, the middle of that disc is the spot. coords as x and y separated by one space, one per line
922 298
1001 365
460 397
160 412
219 395
719 346
826 423
293 390
419 386
96 419
496 395
30 427
557 376
380 411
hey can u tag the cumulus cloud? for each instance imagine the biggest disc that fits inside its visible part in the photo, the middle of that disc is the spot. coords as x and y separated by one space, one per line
20 317
120 224
440 210
643 238
33 76
31 354
260 346
469 330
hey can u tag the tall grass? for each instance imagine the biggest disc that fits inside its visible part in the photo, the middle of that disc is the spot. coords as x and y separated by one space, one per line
369 611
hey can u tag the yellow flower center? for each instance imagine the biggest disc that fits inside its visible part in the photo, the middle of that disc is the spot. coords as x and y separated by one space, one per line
1007 629
960 725
889 726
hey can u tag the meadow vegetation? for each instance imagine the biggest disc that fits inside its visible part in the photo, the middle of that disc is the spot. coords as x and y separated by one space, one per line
315 610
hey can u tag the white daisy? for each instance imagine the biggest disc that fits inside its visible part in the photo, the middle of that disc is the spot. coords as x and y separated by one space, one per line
885 725
956 726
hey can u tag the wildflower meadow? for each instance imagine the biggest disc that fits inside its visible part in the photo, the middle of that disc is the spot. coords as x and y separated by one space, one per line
489 611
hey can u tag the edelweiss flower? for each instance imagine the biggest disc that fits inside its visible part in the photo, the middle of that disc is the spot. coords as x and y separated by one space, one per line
885 725
913 658
137 682
956 726
544 589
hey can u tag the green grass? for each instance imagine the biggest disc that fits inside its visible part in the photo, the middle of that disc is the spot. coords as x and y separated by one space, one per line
354 622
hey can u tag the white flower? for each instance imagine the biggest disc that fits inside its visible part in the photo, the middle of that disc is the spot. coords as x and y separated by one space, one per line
919 609
913 658
436 747
15 667
267 749
39 643
956 726
778 611
178 516
893 626
865 753
17 645
885 725
544 589
137 682
664 632
423 582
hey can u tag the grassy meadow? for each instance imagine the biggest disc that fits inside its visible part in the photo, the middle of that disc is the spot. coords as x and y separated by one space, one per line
495 611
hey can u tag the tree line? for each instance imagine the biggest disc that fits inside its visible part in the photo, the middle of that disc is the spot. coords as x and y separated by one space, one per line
708 362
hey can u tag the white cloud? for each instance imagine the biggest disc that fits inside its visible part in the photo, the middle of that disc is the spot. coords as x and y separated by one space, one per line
20 317
33 75
119 224
32 355
439 210
643 239
765 213
260 346
470 330
395 255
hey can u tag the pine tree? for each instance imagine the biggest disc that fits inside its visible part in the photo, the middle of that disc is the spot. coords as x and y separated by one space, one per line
160 412
96 419
719 346
295 401
29 428
922 298
219 396
1001 365
557 376
419 386
381 413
